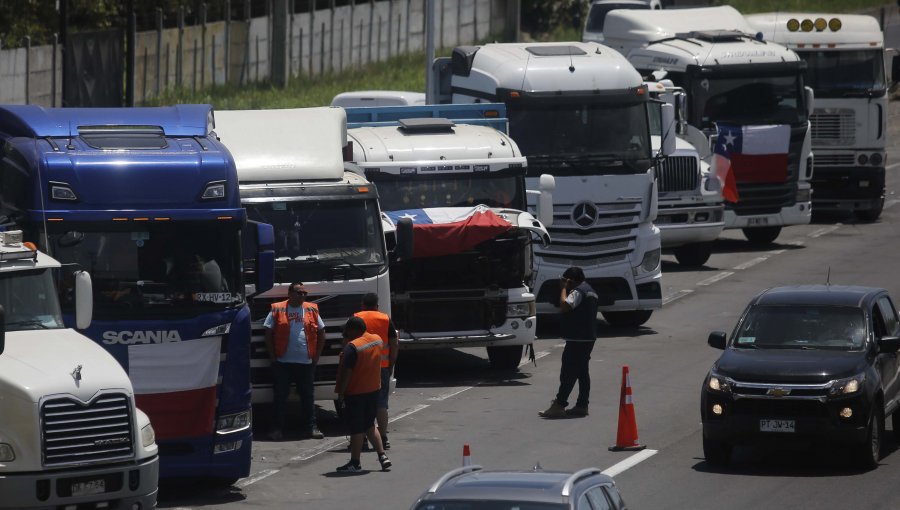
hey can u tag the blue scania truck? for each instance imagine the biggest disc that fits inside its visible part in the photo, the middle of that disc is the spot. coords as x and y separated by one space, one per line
146 200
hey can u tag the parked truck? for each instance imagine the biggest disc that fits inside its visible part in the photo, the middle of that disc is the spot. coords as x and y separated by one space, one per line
579 112
146 200
844 55
743 93
461 182
328 229
70 433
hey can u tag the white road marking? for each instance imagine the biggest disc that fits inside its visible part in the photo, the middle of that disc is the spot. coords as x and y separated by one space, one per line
404 414
892 165
322 448
630 462
445 396
713 279
265 473
796 242
537 355
777 252
750 263
824 230
678 295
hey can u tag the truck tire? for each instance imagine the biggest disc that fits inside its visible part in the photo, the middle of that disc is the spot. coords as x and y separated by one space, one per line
870 215
869 451
505 357
628 319
762 236
693 255
717 453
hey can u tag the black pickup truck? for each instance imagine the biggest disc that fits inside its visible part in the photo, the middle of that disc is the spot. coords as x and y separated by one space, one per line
810 364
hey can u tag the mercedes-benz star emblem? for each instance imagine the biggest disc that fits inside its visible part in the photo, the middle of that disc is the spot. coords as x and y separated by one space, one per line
584 214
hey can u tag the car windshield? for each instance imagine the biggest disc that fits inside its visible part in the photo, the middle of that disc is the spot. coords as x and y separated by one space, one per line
598 12
747 100
29 300
802 327
420 191
488 505
844 73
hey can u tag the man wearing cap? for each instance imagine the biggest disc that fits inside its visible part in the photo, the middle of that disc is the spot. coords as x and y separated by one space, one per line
295 337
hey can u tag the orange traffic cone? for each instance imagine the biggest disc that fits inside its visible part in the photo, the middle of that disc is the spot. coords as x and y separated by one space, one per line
627 436
467 456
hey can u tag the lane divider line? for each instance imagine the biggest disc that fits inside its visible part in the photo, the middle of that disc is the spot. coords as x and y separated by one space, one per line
678 295
750 263
822 231
265 473
414 409
445 396
630 462
892 165
713 279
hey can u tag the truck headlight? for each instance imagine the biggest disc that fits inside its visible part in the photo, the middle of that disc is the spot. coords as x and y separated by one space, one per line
233 422
148 436
649 263
526 309
6 453
848 386
718 383
221 329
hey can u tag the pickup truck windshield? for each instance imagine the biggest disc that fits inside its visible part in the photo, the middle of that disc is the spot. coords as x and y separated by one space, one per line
802 327
465 190
29 299
834 74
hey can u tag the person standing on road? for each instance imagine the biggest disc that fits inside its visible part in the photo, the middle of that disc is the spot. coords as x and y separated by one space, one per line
578 303
295 337
378 323
358 383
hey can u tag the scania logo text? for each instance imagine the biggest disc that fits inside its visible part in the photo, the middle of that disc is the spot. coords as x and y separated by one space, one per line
584 214
140 337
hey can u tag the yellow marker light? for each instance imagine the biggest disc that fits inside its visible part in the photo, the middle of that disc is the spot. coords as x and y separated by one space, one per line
834 24
362 189
162 219
29 245
224 217
807 25
514 94
492 114
821 24
141 219
54 219
120 219
793 25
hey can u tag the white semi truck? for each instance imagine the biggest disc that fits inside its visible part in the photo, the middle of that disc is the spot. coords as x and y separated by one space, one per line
469 180
750 88
329 233
70 434
579 112
844 55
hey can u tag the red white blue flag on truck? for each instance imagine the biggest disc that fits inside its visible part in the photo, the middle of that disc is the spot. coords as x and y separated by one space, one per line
448 230
750 154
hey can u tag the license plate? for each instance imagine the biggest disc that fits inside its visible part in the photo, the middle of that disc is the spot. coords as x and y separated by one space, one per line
776 425
89 487
757 221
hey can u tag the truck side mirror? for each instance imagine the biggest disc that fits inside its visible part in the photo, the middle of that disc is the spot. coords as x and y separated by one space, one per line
441 76
264 277
547 184
680 112
84 300
810 97
2 329
404 248
667 116
717 339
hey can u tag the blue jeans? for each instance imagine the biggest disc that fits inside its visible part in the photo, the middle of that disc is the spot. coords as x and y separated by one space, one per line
283 374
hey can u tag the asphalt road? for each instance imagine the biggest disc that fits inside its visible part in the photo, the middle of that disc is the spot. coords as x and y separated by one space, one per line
450 398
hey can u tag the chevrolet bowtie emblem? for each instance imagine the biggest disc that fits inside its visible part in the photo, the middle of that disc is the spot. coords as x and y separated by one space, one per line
76 374
778 392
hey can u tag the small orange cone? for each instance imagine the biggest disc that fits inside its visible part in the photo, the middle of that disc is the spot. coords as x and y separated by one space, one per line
627 436
467 456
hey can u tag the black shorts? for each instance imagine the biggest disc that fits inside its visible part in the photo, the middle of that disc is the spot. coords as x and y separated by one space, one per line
360 411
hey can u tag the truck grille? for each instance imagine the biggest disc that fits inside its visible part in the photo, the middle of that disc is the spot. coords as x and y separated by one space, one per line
592 232
833 127
451 313
678 173
79 433
833 160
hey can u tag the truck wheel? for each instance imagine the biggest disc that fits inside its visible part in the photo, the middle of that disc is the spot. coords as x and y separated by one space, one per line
505 357
869 451
629 319
693 255
762 235
870 215
717 453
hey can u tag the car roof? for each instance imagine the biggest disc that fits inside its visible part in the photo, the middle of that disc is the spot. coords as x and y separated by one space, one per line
827 295
537 486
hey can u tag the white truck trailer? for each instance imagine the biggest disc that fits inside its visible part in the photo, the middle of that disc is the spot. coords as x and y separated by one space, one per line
750 90
468 179
579 112
70 434
329 231
844 55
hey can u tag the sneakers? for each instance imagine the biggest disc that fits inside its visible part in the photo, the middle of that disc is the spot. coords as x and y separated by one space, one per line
554 411
314 433
350 467
577 411
276 435
385 443
384 461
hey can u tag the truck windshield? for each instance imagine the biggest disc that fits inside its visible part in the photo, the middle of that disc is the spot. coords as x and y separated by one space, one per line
802 327
844 73
319 240
159 269
29 299
418 191
747 100
582 138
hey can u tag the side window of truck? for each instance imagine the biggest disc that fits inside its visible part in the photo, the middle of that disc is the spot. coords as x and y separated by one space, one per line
13 179
889 314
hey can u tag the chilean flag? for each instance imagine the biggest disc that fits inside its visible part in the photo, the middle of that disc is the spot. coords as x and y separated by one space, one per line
175 384
750 154
448 230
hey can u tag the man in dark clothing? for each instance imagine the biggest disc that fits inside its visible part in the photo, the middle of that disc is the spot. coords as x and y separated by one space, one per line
578 303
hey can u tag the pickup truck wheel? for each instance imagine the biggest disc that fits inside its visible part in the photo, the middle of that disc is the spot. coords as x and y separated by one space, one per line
869 451
630 319
762 236
693 255
505 357
717 453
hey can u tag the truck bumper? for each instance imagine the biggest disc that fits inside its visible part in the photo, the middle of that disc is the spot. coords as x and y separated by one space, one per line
125 486
797 214
195 457
618 289
681 225
847 189
513 331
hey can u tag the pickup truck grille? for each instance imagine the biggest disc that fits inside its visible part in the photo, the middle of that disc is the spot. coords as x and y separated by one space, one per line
678 173
77 433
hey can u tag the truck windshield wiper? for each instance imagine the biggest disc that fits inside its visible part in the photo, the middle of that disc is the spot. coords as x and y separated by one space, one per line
28 322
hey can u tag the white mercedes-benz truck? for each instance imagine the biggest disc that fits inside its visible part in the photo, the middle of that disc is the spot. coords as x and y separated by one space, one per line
70 434
746 102
844 55
579 112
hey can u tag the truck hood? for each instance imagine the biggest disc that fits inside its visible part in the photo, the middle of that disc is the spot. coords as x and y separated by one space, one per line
789 366
41 362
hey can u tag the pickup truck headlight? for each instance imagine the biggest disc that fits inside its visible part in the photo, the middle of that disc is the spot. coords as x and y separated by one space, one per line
233 422
718 384
848 386
6 453
526 309
148 436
